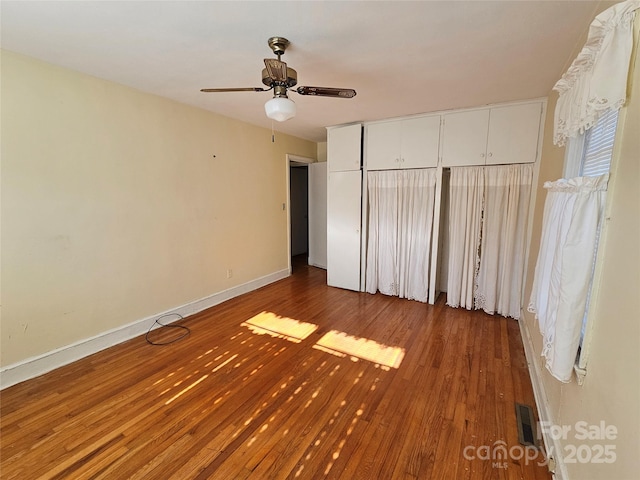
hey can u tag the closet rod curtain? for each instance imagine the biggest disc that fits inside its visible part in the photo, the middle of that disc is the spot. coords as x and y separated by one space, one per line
466 193
506 206
401 204
487 237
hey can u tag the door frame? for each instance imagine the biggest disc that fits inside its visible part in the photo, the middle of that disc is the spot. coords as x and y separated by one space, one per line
292 158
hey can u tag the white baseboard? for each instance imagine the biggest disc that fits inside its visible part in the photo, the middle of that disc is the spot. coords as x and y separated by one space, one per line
552 446
315 264
38 365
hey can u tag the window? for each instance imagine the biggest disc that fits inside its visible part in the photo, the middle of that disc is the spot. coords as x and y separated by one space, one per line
589 154
598 145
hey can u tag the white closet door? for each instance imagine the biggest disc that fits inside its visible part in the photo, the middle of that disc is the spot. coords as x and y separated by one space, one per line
513 134
343 229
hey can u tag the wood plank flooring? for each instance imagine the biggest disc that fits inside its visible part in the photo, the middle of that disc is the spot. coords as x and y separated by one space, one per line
236 400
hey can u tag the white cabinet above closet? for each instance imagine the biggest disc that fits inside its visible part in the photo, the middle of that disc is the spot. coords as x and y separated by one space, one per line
408 143
344 148
492 136
465 138
513 134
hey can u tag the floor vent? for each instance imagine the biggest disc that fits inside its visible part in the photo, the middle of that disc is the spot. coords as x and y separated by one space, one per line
526 425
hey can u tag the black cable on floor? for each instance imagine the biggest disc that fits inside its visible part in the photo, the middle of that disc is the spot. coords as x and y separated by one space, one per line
186 333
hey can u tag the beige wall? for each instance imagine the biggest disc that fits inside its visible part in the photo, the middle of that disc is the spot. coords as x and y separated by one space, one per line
611 391
114 207
322 151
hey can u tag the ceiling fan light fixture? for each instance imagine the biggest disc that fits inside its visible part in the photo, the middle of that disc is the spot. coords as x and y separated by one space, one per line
280 78
280 109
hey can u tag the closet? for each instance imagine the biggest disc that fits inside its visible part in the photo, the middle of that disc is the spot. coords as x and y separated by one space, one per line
344 206
430 149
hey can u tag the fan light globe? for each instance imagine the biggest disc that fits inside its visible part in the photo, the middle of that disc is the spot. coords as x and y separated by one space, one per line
280 109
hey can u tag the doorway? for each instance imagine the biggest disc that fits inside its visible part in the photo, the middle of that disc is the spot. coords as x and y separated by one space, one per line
299 211
306 211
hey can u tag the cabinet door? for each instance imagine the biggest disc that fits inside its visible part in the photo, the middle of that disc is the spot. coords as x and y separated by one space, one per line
383 145
420 139
344 146
343 229
465 138
513 134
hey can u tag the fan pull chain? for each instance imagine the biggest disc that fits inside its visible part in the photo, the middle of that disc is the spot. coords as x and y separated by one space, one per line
273 135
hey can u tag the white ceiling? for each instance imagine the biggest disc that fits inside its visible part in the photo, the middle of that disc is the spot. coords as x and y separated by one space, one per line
401 57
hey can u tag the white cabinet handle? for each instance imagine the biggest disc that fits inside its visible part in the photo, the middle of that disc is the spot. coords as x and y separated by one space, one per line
482 155
490 154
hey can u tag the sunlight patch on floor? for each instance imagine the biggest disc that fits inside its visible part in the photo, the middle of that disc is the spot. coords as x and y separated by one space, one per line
280 327
341 344
186 389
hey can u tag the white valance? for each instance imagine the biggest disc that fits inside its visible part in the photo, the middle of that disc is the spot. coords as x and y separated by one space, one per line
596 81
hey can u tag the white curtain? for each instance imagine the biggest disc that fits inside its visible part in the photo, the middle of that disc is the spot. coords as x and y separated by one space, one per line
466 193
382 269
401 204
504 225
596 81
572 213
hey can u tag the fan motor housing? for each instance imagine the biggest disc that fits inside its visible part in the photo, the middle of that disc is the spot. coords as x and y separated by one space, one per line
292 78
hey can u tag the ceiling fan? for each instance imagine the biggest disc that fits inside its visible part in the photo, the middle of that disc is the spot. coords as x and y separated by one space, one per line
280 78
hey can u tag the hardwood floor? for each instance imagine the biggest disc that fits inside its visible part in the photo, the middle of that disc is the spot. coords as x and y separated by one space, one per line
323 395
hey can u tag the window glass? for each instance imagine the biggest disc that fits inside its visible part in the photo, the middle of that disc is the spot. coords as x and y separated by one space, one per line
598 145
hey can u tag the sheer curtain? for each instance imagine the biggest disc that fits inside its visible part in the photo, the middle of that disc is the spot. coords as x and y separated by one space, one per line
466 193
572 214
401 204
506 206
382 273
488 209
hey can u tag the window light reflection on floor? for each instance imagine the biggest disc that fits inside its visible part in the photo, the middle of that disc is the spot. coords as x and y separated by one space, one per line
341 344
334 342
280 327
